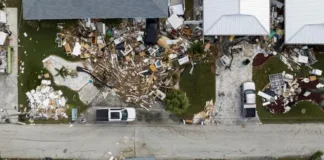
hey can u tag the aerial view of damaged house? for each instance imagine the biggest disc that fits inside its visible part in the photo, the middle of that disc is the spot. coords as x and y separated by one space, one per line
161 62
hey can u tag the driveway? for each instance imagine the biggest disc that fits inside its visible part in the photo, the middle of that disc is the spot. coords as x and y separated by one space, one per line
8 83
228 106
156 115
102 141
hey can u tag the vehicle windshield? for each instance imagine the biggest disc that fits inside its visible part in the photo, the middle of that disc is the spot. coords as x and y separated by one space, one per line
124 115
249 92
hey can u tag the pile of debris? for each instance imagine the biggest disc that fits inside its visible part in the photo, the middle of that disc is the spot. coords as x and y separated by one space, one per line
139 59
273 43
4 59
285 91
5 49
45 102
295 57
206 116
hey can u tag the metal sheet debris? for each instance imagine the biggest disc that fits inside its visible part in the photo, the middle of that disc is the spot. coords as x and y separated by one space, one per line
276 80
175 21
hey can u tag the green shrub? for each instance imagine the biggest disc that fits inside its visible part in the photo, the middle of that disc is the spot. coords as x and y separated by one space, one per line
196 48
317 155
176 101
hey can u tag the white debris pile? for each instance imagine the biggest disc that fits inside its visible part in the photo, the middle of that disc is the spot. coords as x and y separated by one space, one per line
206 116
46 102
295 57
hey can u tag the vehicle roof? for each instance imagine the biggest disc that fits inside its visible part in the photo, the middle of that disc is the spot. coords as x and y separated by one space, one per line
250 98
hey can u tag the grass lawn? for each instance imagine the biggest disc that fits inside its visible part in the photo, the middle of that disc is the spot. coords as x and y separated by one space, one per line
38 45
199 87
319 64
41 45
261 79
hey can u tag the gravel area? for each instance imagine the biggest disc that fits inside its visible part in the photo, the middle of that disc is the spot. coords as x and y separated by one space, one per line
228 105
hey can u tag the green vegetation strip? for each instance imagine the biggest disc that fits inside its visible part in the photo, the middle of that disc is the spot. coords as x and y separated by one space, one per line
199 87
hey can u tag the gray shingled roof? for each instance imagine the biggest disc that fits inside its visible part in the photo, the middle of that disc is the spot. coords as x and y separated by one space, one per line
79 9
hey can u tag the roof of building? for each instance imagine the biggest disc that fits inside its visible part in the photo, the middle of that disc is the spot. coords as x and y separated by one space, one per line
236 17
303 22
79 9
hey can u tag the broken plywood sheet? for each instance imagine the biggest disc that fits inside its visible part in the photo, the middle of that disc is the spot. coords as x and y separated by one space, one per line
175 21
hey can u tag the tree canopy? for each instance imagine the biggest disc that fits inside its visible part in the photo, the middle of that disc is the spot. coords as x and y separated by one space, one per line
176 101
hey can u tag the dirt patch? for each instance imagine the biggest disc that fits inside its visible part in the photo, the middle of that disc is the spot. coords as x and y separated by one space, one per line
315 97
260 59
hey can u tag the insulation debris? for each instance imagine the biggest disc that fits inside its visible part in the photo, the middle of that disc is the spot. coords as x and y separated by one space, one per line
47 103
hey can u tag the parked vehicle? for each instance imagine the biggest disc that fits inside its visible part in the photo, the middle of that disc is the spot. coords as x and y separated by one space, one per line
248 99
115 114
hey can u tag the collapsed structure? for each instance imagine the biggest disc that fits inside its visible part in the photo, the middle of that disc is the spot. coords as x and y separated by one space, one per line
139 59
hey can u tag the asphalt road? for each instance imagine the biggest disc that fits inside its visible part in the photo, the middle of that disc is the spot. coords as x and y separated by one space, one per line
100 141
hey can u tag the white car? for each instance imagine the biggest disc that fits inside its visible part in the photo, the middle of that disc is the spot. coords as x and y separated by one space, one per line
115 114
248 100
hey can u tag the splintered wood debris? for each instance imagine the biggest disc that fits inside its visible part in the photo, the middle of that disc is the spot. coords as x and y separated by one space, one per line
138 60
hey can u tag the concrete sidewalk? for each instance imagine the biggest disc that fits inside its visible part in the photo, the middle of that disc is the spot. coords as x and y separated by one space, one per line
8 83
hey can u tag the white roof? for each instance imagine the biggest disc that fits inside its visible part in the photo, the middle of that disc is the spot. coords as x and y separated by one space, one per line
304 22
236 17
